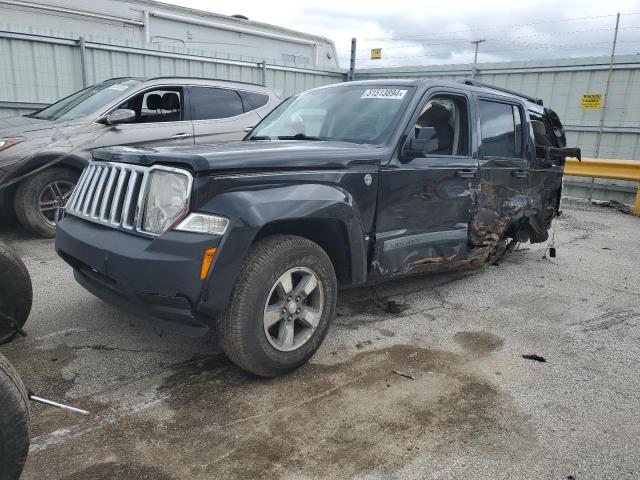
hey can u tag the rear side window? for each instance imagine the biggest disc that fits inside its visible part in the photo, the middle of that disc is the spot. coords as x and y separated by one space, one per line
252 100
213 103
501 128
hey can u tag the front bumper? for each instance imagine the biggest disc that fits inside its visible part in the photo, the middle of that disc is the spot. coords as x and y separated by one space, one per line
157 279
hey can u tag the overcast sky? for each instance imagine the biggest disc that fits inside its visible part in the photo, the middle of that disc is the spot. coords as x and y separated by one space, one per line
415 33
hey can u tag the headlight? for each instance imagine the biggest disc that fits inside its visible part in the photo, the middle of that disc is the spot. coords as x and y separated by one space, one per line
166 201
203 223
9 142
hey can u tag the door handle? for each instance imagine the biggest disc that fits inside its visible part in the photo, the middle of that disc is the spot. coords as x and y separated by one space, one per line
466 173
178 136
520 174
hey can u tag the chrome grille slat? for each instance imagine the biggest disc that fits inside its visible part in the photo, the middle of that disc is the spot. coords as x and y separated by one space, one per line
115 205
126 210
114 194
107 194
97 197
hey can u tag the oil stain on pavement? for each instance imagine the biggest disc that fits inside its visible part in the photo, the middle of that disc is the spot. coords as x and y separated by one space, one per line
337 421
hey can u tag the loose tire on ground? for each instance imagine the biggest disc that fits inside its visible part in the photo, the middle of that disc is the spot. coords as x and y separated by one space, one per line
16 294
14 422
28 194
241 328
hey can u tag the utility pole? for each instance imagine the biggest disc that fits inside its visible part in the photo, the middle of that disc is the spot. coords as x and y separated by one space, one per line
475 57
596 152
352 63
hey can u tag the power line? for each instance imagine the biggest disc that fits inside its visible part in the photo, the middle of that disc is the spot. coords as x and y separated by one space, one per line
498 27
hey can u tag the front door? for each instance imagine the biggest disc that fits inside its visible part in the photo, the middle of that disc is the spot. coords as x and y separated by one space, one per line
425 199
159 120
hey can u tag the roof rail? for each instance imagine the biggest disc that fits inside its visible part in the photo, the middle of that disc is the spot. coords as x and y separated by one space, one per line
475 83
186 77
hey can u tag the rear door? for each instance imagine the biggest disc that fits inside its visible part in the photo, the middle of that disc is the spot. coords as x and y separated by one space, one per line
219 114
425 203
160 120
504 194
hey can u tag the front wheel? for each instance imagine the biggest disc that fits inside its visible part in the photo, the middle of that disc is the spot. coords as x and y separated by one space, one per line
281 306
41 198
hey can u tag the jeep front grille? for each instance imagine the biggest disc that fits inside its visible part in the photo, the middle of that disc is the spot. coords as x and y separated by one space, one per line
113 194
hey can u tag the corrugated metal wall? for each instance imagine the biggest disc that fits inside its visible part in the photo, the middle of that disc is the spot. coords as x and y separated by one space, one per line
561 84
37 70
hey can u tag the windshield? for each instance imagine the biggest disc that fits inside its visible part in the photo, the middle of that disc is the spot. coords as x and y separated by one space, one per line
346 113
85 102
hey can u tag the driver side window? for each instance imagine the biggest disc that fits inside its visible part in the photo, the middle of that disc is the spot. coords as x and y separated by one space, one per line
154 106
442 127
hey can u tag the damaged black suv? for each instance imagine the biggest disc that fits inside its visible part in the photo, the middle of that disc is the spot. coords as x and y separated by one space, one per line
342 185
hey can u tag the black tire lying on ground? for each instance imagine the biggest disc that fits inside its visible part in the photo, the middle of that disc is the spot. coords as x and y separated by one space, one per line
242 329
16 294
15 422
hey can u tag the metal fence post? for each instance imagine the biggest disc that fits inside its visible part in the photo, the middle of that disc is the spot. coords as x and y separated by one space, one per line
83 62
264 73
352 64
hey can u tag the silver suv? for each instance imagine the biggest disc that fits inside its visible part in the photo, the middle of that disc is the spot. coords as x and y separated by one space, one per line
43 153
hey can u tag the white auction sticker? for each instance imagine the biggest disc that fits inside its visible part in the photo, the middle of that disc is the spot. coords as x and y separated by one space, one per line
390 93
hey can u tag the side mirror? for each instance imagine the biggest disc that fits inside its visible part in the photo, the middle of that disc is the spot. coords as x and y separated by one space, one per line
248 129
425 142
121 115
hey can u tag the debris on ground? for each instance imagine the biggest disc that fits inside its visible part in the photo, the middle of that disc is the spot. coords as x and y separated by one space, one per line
533 356
395 307
615 205
405 375
363 344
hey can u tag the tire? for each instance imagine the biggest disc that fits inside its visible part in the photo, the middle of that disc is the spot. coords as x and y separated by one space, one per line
16 294
15 421
35 188
241 328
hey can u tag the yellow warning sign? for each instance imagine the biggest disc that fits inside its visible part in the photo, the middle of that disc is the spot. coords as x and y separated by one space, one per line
376 53
591 101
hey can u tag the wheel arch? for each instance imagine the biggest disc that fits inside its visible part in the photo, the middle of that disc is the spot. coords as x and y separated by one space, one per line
324 214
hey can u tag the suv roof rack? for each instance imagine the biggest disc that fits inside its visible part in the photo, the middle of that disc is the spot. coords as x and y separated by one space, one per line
475 83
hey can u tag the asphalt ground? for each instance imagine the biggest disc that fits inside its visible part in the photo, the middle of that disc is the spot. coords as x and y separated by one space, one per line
420 378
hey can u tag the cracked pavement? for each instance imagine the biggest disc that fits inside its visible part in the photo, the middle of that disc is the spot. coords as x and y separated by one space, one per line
419 378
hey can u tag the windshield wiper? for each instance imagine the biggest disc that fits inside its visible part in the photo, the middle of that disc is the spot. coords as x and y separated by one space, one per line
259 137
299 136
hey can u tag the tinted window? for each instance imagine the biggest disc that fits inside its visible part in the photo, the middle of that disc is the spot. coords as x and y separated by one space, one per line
498 127
211 103
252 100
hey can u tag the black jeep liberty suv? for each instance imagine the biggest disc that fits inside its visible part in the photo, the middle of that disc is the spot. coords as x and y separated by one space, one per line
341 185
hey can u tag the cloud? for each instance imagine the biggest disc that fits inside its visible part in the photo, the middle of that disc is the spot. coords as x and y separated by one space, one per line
424 33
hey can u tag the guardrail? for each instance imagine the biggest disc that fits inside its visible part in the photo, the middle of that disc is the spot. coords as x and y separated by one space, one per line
606 168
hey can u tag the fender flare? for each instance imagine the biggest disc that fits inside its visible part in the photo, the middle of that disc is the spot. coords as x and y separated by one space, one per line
250 211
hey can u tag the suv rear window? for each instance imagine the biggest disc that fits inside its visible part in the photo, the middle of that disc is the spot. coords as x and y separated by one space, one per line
213 103
501 127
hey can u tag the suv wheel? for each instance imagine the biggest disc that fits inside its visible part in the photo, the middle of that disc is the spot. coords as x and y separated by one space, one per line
281 306
16 294
14 422
41 198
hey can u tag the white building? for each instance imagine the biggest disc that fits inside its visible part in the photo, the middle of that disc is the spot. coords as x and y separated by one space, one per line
148 22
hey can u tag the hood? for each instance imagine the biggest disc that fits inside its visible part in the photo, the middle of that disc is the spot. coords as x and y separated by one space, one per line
248 156
16 126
